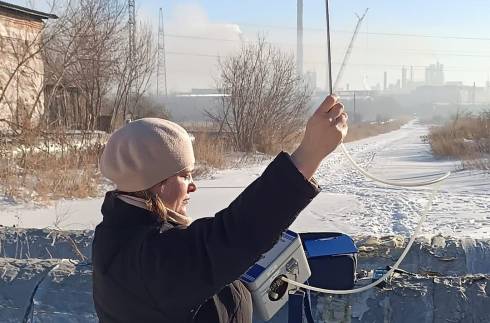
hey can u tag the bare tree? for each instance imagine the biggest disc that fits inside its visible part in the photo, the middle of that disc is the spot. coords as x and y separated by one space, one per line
66 74
133 75
22 46
90 66
83 57
151 107
264 101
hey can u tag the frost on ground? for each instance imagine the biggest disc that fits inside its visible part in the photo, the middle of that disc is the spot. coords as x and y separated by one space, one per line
460 208
352 204
348 203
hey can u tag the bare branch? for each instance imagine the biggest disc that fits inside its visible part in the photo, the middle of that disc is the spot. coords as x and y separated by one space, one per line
264 102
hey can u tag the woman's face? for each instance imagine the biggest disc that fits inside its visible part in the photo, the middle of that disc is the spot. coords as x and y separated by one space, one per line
175 191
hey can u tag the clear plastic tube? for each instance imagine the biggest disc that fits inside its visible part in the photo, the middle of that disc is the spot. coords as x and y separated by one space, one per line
423 216
388 182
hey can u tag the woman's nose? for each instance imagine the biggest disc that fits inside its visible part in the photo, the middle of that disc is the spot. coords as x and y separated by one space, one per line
191 188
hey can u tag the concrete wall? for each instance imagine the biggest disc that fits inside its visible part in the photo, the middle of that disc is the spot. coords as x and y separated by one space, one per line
43 278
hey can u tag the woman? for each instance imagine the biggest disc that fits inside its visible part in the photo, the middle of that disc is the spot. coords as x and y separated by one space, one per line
151 264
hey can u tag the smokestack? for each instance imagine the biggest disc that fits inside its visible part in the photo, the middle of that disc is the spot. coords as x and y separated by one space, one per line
299 44
411 74
404 77
385 81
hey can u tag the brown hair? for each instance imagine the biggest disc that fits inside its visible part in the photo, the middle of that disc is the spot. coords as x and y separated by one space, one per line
153 202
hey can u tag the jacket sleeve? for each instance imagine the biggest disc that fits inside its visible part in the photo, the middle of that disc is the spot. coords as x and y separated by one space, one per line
182 267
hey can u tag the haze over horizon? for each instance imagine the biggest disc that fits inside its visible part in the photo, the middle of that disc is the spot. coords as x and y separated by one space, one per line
393 35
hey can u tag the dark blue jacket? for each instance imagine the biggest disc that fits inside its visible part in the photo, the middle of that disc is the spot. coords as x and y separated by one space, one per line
184 274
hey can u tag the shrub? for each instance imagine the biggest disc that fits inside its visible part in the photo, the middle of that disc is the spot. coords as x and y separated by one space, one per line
466 138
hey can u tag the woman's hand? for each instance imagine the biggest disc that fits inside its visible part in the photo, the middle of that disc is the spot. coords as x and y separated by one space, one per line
325 130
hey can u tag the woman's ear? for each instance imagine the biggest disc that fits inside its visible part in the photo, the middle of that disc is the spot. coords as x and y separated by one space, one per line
158 188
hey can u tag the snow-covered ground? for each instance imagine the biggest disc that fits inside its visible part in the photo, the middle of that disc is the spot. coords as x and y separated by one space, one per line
349 202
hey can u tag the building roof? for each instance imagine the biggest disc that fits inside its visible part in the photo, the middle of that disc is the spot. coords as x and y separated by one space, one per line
26 11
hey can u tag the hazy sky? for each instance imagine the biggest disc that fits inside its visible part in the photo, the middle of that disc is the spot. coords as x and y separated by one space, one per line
395 34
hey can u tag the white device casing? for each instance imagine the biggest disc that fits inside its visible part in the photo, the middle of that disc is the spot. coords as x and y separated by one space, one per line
274 263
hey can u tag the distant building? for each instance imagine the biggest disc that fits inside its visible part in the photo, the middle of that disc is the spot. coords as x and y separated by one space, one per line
434 74
404 77
450 94
310 79
475 95
454 83
394 86
205 91
359 94
21 66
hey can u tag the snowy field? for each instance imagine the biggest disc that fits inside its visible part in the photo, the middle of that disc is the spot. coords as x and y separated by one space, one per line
348 203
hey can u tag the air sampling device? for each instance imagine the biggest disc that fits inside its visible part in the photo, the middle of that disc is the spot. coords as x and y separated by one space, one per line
265 281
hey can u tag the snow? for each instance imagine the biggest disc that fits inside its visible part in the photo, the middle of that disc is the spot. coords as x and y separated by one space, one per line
348 202
61 290
352 204
76 139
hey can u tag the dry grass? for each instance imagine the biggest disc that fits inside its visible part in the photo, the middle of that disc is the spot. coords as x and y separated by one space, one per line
209 151
46 167
272 143
466 138
41 167
363 130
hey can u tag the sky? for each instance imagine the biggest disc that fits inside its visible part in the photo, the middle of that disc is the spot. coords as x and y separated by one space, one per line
394 34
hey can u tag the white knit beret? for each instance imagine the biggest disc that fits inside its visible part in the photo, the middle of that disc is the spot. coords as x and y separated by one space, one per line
145 152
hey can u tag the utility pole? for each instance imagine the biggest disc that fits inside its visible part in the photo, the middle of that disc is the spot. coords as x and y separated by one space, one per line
355 114
473 94
132 29
162 63
299 38
132 59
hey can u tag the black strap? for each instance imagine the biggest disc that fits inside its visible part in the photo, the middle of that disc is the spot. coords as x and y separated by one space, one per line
299 304
308 314
295 306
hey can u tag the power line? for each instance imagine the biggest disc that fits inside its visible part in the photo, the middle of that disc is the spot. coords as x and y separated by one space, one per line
200 37
391 66
373 33
371 49
193 54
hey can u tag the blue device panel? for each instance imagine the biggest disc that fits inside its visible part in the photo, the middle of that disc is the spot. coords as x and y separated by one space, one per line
329 246
268 258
